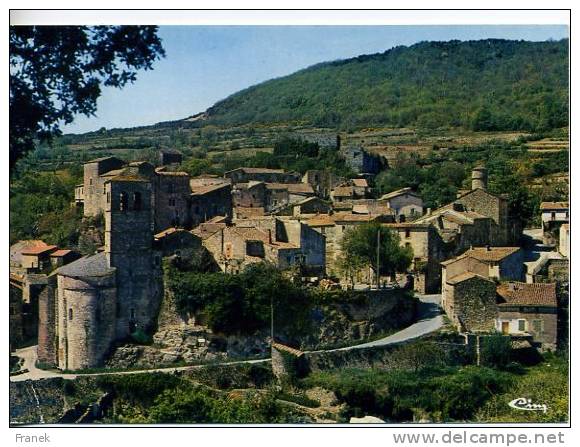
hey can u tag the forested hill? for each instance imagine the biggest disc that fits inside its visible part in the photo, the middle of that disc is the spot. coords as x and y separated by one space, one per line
482 85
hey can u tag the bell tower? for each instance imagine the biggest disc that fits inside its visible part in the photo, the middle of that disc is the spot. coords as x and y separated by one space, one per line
129 248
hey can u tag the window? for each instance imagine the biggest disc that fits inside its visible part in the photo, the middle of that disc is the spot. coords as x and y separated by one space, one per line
108 197
407 233
123 201
136 201
90 181
171 202
538 326
553 215
170 188
104 189
521 325
70 314
132 312
407 244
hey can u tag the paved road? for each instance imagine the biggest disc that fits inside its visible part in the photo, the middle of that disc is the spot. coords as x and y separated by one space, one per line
429 319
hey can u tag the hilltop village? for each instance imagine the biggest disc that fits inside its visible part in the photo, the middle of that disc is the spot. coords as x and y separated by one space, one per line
472 251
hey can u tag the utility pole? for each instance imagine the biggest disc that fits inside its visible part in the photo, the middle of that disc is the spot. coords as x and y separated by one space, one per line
378 258
272 319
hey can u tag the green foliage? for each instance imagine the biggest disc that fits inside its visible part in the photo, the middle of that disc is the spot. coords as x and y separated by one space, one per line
197 405
546 383
483 85
360 243
443 393
56 73
241 303
291 154
40 208
197 166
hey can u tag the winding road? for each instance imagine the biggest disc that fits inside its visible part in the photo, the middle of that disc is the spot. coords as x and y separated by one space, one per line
429 319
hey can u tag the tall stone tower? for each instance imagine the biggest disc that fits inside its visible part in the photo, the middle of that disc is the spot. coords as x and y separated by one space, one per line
479 178
129 249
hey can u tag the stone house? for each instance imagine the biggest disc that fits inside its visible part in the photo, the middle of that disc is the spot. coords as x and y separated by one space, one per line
249 195
529 309
308 206
234 248
209 201
322 181
427 248
493 263
245 175
175 242
333 227
472 212
459 228
170 199
281 194
470 302
30 263
350 190
554 215
285 243
360 160
404 202
170 157
504 263
94 178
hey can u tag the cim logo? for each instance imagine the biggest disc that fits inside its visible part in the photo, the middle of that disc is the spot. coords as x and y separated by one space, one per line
523 403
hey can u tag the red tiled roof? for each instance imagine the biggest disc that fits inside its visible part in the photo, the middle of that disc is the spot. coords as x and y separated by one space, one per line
60 253
39 249
525 294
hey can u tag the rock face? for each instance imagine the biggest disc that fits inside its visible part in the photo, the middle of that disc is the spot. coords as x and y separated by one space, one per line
373 313
181 339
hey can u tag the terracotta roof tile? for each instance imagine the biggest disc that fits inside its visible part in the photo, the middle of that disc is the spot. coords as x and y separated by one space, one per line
524 294
201 190
554 206
492 254
464 277
60 253
39 249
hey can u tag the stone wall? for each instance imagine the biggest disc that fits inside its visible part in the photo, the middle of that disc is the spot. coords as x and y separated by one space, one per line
474 304
47 331
86 317
391 357
171 200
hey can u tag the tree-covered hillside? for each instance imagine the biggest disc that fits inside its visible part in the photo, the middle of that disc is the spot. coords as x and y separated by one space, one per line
481 85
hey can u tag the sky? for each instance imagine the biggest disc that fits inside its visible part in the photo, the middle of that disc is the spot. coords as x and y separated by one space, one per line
205 64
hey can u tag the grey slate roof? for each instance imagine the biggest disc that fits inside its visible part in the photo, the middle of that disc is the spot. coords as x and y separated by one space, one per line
93 265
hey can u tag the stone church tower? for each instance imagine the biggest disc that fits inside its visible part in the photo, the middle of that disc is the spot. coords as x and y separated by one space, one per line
129 249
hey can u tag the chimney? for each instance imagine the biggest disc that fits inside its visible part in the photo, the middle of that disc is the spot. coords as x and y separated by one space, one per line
479 178
429 212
